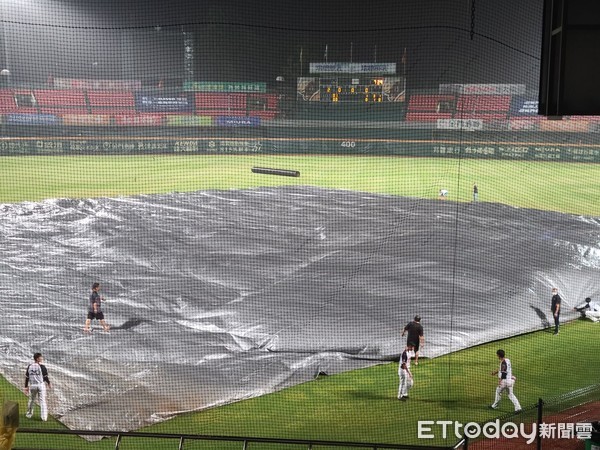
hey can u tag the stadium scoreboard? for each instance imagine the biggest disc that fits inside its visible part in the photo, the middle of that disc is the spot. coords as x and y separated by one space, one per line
357 89
365 83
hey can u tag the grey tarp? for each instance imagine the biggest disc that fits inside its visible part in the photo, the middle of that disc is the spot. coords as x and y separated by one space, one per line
220 296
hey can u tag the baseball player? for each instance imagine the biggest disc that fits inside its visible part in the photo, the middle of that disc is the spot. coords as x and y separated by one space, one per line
589 309
406 378
95 309
506 381
35 377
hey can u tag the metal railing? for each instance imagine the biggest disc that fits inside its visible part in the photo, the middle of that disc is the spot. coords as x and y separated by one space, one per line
244 441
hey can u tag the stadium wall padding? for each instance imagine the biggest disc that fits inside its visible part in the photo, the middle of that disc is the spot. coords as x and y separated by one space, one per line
417 144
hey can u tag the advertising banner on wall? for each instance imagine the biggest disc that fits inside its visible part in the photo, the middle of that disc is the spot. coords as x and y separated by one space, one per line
451 149
163 103
521 106
570 126
224 86
460 124
523 124
308 89
108 85
223 121
394 89
86 120
189 121
345 67
137 120
483 89
31 119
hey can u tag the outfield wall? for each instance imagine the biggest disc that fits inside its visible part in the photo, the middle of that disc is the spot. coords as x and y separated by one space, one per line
478 147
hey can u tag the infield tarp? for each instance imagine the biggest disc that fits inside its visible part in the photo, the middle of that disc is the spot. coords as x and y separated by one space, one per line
220 296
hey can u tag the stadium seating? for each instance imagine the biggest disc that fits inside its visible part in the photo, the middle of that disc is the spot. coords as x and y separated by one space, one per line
485 107
60 98
7 102
429 108
220 104
211 104
17 101
103 101
121 105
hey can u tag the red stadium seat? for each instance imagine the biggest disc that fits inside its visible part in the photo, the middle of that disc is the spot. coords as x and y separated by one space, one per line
7 102
431 103
59 98
111 99
484 103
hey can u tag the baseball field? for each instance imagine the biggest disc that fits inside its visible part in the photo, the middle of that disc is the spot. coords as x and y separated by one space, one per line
358 406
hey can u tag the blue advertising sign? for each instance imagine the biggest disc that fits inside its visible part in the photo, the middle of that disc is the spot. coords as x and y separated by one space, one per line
163 103
521 106
225 121
31 119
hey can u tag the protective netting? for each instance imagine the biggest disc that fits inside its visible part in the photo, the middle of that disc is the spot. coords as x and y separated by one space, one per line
427 185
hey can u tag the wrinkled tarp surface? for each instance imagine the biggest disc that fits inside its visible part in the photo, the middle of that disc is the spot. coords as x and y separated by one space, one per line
224 295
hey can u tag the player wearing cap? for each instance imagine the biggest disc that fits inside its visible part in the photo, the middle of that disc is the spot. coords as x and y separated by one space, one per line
415 336
406 378
35 377
506 381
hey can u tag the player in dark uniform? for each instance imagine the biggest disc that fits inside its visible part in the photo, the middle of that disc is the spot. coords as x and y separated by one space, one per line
415 335
95 310
555 308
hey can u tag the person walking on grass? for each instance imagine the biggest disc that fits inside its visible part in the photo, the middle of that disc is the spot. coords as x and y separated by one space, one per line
36 380
406 378
506 381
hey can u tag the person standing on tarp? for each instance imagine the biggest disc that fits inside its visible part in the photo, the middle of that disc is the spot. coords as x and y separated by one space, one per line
475 193
35 377
415 336
406 378
95 310
555 308
506 381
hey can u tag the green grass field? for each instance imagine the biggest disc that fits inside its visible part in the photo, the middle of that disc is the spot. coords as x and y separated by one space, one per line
359 405
565 187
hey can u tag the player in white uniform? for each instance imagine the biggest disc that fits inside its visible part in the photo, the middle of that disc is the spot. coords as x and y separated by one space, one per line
589 309
36 379
506 381
406 378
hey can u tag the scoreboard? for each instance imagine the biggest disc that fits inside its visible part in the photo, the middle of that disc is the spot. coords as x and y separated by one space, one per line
351 89
365 88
